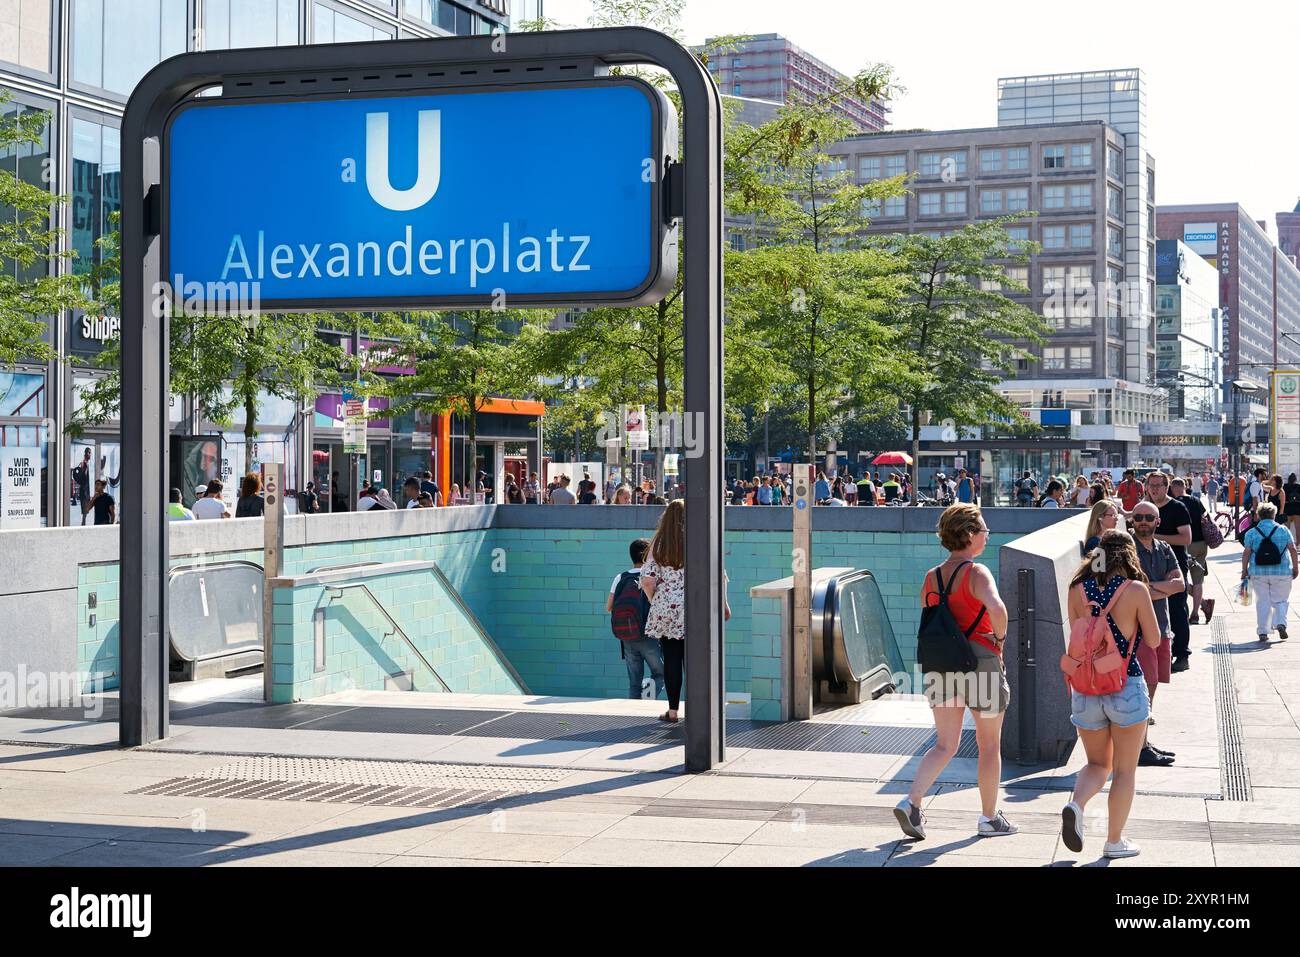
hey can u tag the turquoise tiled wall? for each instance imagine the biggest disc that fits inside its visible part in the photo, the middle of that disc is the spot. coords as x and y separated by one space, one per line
361 651
766 646
540 593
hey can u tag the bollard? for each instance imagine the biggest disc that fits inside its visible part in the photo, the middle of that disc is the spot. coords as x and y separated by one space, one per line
1027 669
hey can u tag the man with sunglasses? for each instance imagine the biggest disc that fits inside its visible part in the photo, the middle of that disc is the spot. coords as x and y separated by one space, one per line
1165 579
1175 529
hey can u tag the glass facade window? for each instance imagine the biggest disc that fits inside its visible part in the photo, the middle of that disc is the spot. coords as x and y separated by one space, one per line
1053 237
116 42
1081 196
96 188
31 163
942 163
871 207
896 207
229 24
990 201
1053 157
25 34
954 202
334 26
1114 202
869 168
1114 162
1114 242
1054 357
1017 200
1053 197
1017 237
895 165
930 203
1081 236
990 161
1018 159
1081 357
1080 154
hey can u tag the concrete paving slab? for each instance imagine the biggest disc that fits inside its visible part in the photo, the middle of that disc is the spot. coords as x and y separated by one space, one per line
570 823
1256 855
405 860
1038 847
256 857
25 850
757 855
497 846
811 765
957 860
642 827
625 852
116 853
799 834
717 788
1154 854
521 751
855 793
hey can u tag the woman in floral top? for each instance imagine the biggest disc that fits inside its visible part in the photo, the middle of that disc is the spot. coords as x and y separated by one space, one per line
663 579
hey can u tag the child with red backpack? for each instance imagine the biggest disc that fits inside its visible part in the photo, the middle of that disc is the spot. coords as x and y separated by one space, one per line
1110 606
628 607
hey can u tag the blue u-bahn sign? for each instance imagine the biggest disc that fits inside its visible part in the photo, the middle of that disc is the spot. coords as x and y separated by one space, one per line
498 196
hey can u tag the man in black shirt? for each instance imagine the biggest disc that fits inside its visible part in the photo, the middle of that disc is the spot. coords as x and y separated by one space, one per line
430 486
1197 552
1176 529
103 505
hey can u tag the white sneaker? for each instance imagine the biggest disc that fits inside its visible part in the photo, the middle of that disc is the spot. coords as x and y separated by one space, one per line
1121 848
996 826
910 819
1072 827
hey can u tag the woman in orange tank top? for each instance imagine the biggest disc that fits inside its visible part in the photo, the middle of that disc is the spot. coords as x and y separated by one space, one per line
979 611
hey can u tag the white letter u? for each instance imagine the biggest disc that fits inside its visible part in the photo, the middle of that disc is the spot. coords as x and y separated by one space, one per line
428 162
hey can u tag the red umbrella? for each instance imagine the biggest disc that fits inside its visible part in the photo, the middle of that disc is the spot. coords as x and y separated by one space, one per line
892 458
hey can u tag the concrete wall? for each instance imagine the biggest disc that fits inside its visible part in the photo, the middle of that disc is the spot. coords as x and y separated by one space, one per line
536 577
1052 555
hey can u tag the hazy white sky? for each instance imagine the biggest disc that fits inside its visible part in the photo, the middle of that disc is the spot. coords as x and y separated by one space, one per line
1220 88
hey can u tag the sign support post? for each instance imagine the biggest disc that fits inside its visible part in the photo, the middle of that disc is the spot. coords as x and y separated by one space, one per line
272 565
691 192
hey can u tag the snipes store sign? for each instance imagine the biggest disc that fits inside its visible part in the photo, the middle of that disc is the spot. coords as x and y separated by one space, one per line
495 197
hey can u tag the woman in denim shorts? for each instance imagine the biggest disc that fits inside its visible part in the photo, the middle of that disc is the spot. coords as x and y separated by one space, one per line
1111 726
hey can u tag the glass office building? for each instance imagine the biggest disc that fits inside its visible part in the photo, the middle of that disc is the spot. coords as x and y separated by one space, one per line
77 61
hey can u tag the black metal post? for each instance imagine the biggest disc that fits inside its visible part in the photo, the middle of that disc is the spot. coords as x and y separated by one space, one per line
1027 669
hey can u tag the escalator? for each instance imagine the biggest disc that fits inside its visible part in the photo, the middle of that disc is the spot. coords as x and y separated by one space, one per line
214 619
855 656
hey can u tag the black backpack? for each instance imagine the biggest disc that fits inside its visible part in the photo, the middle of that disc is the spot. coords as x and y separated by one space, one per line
627 616
941 644
1268 553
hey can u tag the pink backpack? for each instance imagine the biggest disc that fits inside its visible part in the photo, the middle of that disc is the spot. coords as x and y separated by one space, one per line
1092 664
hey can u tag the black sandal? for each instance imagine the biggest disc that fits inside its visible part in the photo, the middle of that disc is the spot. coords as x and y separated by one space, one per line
664 717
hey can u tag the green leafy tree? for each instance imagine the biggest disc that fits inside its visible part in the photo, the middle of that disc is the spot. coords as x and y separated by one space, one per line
31 291
805 306
463 360
956 326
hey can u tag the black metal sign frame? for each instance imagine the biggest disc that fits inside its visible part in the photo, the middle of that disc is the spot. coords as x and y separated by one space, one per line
394 66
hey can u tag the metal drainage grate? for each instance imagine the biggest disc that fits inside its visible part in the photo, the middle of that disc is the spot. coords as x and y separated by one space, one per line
1234 773
389 783
388 796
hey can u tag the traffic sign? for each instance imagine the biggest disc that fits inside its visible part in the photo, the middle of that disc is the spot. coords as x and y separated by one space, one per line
496 197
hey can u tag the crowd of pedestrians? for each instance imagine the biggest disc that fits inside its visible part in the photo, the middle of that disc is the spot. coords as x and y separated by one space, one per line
1136 594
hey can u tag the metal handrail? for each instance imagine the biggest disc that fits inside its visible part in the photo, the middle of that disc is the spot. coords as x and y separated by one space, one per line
397 629
468 613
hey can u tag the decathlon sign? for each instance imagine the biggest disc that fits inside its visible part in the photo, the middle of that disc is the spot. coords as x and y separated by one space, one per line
546 195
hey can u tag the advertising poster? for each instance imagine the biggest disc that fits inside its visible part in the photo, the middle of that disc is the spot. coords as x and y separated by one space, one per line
20 487
1284 442
354 427
634 426
81 487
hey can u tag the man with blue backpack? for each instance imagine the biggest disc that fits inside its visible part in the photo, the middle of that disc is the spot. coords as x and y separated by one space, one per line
628 607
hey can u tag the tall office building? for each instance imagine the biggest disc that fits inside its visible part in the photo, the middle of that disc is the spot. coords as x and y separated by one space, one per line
770 67
1118 98
1288 232
77 61
1072 174
1259 285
